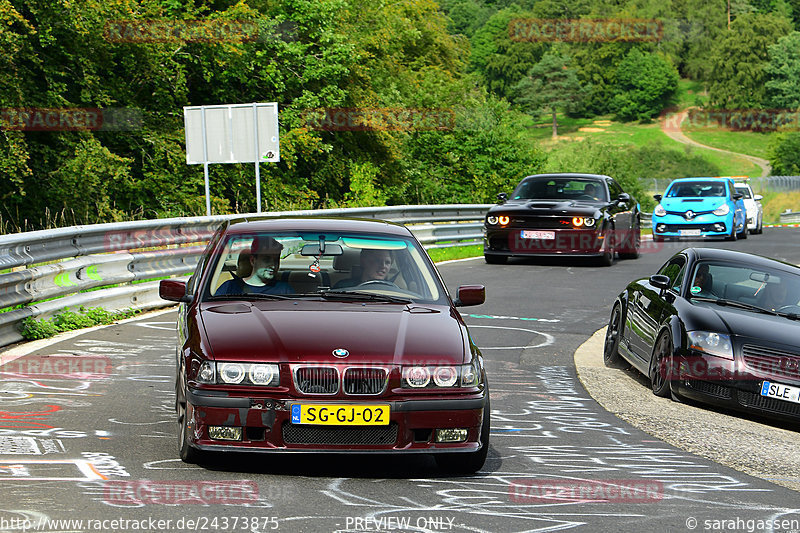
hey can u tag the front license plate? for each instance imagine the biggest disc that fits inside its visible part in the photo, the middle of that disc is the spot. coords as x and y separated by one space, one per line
542 235
340 415
781 392
690 232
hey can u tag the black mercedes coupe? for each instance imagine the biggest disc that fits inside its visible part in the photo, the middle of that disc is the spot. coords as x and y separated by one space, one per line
717 326
563 214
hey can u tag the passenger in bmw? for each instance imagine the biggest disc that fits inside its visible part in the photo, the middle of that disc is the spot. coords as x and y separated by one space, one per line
265 258
374 265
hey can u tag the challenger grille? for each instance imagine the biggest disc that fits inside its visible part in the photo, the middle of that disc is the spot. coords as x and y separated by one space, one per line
771 361
316 380
364 380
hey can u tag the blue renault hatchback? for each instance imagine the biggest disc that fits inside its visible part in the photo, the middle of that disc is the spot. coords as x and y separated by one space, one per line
700 208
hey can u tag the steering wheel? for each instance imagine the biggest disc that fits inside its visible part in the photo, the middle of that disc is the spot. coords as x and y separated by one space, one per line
378 282
789 309
587 197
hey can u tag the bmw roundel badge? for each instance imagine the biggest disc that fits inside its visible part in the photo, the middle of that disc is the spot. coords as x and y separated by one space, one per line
340 352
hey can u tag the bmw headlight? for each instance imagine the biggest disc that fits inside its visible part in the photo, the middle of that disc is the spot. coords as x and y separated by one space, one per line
712 343
660 211
445 376
234 373
722 210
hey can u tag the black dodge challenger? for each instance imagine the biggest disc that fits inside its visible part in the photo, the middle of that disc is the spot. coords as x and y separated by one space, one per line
554 214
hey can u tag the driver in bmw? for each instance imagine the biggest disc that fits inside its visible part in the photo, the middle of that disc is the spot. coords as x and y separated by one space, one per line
375 265
265 258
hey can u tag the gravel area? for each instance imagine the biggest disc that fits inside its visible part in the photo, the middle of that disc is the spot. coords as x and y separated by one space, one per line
756 447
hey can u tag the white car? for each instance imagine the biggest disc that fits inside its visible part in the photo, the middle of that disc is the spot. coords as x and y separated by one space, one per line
755 211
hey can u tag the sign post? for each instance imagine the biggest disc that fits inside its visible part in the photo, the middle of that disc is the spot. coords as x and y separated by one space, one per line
233 133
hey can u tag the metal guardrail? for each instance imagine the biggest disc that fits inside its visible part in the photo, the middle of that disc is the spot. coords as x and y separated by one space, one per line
88 257
790 218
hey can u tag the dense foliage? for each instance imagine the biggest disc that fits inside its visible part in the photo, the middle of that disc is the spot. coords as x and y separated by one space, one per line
457 58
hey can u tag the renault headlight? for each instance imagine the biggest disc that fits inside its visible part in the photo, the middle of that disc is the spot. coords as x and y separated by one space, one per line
722 210
660 211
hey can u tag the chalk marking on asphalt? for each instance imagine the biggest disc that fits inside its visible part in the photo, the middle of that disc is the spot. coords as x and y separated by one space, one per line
548 339
503 317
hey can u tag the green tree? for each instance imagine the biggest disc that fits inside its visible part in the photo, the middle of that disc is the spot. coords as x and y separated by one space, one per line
550 85
784 153
645 85
740 58
783 70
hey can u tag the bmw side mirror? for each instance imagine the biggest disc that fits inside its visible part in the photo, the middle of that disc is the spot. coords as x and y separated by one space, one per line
173 290
659 281
657 197
502 197
470 295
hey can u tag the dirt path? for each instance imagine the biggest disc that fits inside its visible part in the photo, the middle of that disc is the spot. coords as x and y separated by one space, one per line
671 126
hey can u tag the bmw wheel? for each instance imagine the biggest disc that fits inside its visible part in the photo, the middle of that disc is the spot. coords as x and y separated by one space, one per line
187 453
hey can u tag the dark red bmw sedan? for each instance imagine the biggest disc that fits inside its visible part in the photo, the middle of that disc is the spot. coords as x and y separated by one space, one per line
326 335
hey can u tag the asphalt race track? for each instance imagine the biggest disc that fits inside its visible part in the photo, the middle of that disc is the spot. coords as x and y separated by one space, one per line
101 447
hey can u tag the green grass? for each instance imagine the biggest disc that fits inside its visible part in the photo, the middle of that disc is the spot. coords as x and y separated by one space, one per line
605 130
455 252
690 93
776 203
743 142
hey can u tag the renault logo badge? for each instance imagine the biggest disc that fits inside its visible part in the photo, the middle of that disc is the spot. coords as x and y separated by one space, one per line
689 215
340 353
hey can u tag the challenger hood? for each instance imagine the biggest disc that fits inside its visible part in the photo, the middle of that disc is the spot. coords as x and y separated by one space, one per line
548 207
748 324
309 331
681 205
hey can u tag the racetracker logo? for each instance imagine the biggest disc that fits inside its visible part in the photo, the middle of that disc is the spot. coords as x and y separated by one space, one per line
580 241
378 119
585 30
707 368
180 492
180 31
733 119
585 491
58 367
70 119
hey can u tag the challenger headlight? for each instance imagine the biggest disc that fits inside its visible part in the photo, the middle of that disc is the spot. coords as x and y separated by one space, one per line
491 220
588 222
660 211
503 219
583 221
722 210
712 343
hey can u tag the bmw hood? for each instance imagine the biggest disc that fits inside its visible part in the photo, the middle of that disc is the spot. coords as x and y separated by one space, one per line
310 331
681 205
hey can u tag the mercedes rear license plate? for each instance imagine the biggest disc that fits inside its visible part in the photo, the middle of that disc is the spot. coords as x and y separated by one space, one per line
340 415
781 392
542 235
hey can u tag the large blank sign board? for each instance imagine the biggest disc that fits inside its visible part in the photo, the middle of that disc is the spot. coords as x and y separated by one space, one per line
235 133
